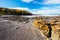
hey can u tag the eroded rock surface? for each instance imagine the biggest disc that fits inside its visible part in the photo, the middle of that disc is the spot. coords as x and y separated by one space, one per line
13 30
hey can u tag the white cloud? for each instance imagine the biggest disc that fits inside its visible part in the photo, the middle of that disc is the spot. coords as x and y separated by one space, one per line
36 2
27 1
48 2
43 11
52 2
20 8
47 11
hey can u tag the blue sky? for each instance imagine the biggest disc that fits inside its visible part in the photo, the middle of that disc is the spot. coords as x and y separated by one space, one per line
43 7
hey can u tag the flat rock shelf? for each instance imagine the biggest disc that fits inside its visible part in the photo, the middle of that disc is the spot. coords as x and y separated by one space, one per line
13 30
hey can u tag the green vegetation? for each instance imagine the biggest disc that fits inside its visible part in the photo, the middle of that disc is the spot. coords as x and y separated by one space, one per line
6 11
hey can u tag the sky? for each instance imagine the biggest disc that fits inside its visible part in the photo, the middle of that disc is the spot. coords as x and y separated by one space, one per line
42 7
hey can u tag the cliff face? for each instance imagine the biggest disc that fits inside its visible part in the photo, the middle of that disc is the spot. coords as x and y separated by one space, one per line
7 11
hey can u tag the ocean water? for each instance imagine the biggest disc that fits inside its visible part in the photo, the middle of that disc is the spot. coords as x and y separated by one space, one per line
37 15
27 15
